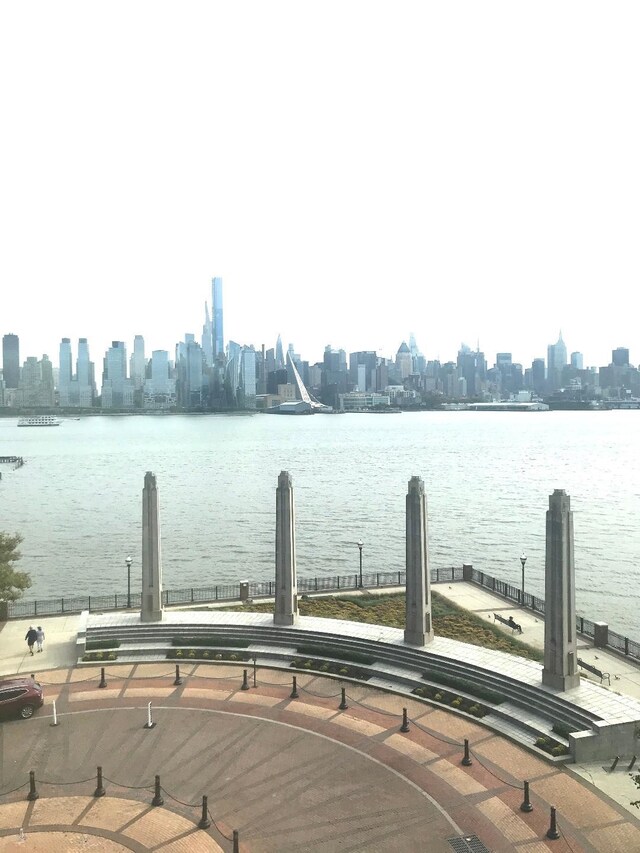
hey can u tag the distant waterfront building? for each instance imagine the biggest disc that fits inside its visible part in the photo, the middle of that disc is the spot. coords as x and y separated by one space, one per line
538 376
207 337
577 361
355 401
36 383
556 361
218 320
160 386
11 361
404 361
279 354
362 370
138 363
620 357
65 373
117 389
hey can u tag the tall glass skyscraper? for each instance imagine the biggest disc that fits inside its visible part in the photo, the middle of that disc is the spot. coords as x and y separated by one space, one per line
11 361
218 330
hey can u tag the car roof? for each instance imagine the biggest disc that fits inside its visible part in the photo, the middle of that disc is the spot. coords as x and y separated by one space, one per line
16 682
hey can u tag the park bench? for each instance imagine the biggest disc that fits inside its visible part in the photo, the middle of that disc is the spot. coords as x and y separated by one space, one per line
508 622
590 668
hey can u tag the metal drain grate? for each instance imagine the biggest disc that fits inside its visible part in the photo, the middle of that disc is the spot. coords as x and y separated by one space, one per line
467 844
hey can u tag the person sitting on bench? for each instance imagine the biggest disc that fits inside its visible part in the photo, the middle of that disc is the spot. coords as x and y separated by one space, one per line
514 625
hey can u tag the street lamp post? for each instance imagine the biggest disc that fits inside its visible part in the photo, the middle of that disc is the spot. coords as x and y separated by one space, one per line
128 561
523 560
360 547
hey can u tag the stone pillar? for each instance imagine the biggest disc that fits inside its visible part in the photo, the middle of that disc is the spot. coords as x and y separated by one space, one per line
600 635
286 609
467 572
151 552
560 648
418 629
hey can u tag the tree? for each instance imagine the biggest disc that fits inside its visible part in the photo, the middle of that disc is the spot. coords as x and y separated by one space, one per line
12 582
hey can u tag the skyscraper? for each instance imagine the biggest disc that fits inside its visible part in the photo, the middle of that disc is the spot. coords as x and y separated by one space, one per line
207 337
218 329
556 361
65 373
138 363
85 375
279 354
11 361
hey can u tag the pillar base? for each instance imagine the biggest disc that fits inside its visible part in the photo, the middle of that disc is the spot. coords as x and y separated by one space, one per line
154 616
417 638
560 682
285 619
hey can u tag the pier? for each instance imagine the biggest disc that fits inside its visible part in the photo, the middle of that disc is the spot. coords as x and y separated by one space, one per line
16 461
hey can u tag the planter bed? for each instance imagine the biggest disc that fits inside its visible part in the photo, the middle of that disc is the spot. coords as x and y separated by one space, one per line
330 667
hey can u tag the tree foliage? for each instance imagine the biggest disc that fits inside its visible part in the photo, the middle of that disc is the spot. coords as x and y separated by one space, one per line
12 582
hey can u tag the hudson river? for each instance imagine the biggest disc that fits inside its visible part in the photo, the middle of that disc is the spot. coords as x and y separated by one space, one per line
77 500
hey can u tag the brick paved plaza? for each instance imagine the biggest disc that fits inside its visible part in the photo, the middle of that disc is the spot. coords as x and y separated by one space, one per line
288 774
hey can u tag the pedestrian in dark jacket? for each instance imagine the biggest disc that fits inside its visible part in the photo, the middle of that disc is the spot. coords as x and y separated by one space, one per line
31 637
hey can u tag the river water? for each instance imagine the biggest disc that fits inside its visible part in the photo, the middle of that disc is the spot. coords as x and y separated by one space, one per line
488 475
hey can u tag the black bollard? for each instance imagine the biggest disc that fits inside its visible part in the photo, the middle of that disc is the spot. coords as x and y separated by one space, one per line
552 832
526 803
205 823
103 680
236 842
245 681
177 681
99 791
294 691
33 794
157 798
405 722
343 702
467 758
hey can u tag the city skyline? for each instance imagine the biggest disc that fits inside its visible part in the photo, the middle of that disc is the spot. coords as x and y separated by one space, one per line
462 172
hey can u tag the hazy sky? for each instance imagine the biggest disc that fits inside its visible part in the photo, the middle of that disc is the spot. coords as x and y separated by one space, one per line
354 171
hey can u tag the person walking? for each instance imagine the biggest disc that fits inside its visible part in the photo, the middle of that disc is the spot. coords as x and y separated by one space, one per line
31 636
39 637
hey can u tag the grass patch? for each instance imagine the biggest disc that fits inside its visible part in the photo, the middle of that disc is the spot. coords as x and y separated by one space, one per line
449 620
210 642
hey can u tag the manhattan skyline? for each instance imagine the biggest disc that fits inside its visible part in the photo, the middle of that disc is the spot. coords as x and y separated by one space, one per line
355 173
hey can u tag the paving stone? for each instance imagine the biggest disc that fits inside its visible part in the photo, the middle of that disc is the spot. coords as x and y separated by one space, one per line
582 807
54 810
12 814
159 692
158 826
112 812
519 763
56 842
357 725
317 711
454 727
195 842
250 698
92 695
618 838
461 781
205 693
506 820
401 743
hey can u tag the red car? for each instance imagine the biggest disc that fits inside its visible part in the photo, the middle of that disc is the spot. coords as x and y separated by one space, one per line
19 697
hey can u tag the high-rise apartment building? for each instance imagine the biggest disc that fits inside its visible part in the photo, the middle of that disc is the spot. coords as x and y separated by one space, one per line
65 373
11 361
36 383
138 364
117 389
620 357
577 361
85 375
218 325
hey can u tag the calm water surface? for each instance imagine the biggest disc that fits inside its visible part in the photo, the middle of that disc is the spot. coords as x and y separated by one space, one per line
77 501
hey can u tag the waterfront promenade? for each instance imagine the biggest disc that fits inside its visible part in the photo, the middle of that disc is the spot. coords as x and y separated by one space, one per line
372 787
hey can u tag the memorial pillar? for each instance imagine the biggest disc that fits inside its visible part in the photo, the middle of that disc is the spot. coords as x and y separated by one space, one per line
286 608
560 649
418 628
151 552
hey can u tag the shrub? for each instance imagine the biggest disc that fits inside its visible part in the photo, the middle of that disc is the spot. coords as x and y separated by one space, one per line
559 750
457 702
563 729
99 656
112 656
465 685
541 742
94 645
344 671
438 697
229 642
335 652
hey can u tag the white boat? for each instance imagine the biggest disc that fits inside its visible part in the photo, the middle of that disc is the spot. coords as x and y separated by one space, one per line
39 421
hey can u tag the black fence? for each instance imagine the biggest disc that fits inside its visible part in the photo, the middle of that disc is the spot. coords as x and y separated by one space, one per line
24 609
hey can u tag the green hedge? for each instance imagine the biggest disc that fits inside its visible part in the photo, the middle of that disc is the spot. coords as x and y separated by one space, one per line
465 685
445 697
225 642
333 652
563 729
331 668
551 746
100 656
204 654
95 645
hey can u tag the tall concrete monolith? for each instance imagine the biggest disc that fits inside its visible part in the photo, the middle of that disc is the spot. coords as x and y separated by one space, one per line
418 627
560 652
151 552
286 609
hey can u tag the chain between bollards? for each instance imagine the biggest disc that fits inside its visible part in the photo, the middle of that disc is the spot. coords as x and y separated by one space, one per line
33 794
526 803
405 722
467 758
236 842
157 798
103 680
552 832
294 689
204 823
343 701
245 680
99 791
177 680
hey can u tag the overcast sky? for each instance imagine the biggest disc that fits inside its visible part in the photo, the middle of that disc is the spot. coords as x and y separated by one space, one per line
355 171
